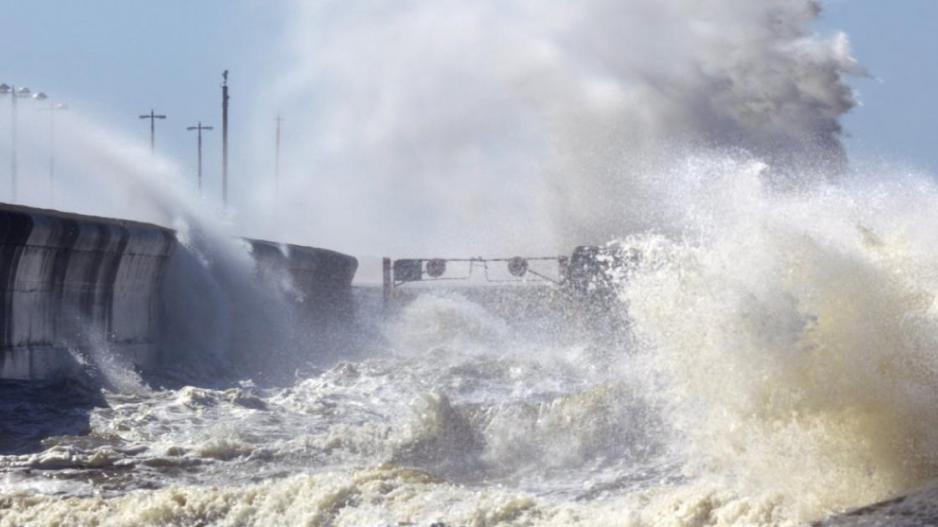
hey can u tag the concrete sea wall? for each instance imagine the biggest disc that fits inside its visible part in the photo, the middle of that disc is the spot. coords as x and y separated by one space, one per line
72 286
305 307
319 276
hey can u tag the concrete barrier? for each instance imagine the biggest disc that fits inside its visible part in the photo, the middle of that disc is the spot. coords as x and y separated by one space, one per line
302 315
318 276
251 309
73 287
70 284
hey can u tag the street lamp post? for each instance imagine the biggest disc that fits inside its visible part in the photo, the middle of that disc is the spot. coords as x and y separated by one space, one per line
199 129
53 109
152 116
15 94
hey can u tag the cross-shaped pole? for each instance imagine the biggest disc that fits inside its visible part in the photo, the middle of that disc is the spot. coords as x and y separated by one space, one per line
152 116
199 129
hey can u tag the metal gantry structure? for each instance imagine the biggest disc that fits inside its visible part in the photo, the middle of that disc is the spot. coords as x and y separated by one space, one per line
396 273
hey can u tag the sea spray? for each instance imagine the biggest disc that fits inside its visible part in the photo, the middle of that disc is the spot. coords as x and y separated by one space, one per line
527 126
218 313
793 338
780 364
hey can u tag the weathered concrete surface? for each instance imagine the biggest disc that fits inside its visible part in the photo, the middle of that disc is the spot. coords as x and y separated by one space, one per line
75 287
71 284
318 276
312 289
235 309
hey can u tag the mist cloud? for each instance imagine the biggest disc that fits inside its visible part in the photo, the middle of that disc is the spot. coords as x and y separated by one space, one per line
487 126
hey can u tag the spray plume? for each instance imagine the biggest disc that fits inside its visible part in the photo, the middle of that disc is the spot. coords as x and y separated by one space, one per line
527 125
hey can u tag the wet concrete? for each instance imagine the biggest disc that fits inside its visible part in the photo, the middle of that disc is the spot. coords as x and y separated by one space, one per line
75 288
70 283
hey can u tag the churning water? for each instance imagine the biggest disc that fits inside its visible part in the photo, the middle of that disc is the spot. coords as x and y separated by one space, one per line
771 360
771 366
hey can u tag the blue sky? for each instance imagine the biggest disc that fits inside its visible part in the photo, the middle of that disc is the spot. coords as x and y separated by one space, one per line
115 59
896 42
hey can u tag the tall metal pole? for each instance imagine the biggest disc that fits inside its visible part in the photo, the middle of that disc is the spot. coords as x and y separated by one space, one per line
386 281
277 160
200 156
13 165
16 93
152 117
199 129
224 138
52 109
152 132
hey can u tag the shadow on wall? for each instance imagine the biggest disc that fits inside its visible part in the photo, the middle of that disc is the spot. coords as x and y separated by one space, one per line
75 288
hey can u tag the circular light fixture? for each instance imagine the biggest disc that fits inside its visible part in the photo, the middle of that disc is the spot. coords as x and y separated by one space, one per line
436 267
517 266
